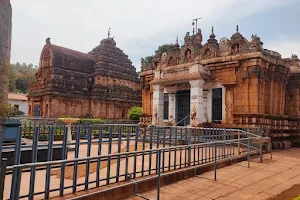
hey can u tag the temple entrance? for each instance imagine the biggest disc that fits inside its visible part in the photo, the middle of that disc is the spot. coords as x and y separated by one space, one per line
217 105
183 107
37 111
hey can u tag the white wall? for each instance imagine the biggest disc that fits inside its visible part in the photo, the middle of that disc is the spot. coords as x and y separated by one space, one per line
23 105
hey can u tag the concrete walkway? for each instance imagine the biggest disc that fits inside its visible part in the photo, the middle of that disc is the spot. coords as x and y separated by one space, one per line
238 182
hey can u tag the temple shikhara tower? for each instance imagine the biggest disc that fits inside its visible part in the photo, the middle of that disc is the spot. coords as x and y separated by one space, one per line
233 83
102 83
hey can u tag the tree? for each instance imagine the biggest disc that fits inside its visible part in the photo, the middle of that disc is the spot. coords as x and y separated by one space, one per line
162 49
12 79
22 85
5 46
18 65
21 78
165 48
134 113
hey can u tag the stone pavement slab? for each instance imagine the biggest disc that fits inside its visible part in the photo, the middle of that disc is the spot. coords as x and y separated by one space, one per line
261 181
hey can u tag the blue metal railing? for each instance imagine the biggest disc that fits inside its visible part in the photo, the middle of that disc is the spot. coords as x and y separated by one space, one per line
158 150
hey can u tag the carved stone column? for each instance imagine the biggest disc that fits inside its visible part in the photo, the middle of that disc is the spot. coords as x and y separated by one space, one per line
172 107
229 104
197 108
158 105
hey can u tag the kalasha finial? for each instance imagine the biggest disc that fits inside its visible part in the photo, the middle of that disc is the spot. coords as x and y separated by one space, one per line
212 35
108 32
176 44
48 41
237 28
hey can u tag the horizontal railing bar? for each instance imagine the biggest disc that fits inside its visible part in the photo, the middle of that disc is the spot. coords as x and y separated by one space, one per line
138 172
123 153
71 143
154 176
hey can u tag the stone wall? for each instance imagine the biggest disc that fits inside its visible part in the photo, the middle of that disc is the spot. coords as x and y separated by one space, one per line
61 106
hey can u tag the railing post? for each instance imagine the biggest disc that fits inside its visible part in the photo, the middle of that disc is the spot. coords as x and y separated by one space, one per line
239 143
3 163
189 148
215 161
248 148
17 172
261 147
158 159
2 176
1 143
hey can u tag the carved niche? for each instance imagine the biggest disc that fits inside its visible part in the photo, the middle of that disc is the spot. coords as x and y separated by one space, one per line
235 49
223 45
163 58
256 43
46 58
188 56
209 51
171 61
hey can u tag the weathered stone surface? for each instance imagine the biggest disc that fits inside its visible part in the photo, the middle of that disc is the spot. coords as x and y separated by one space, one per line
102 83
5 47
262 90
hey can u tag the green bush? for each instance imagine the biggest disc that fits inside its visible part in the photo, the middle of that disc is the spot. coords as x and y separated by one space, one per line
66 116
135 113
6 110
92 121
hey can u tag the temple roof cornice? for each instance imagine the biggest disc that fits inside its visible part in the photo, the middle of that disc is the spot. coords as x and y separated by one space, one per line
247 56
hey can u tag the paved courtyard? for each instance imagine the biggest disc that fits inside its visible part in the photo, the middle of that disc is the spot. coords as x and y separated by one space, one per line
238 182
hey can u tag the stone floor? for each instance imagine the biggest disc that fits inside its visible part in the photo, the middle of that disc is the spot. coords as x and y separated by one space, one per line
238 182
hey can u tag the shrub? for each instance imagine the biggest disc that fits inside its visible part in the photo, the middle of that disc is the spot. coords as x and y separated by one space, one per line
92 121
135 113
66 116
5 110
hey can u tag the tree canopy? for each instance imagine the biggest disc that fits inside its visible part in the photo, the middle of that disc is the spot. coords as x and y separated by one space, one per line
21 77
162 49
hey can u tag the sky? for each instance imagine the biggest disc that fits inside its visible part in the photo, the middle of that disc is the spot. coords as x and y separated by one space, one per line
140 26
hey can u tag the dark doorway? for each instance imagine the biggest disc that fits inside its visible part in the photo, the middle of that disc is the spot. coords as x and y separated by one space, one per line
166 106
37 110
183 107
217 105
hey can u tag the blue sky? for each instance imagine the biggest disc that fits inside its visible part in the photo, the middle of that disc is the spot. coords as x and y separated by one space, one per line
140 26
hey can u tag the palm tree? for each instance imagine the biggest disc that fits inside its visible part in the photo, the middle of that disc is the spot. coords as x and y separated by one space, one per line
5 46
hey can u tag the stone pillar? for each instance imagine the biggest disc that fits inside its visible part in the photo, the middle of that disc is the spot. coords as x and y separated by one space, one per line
5 46
229 104
158 105
172 107
197 108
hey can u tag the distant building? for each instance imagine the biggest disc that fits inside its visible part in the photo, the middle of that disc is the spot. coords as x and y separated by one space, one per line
19 102
102 83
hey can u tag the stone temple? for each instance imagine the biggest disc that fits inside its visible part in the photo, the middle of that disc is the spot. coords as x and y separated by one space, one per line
233 83
102 83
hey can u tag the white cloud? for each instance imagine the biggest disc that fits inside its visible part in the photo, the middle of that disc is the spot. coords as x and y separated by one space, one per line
138 25
285 46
